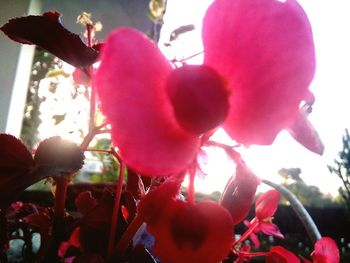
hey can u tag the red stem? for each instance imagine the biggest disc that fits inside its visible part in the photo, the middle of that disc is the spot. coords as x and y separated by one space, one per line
89 28
92 108
114 222
60 196
129 234
190 190
248 232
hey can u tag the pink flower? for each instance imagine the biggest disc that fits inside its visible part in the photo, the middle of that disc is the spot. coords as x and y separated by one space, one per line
186 232
326 251
265 208
258 63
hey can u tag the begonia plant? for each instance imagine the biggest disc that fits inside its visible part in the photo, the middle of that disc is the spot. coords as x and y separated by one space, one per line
259 61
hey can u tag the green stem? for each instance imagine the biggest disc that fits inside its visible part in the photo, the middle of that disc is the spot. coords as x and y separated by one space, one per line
299 209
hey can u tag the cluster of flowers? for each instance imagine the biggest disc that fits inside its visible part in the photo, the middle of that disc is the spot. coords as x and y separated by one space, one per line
259 61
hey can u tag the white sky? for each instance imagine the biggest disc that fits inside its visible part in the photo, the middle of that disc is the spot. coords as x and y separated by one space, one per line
330 20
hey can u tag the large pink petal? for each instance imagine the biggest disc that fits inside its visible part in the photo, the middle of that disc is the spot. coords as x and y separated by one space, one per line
131 86
265 50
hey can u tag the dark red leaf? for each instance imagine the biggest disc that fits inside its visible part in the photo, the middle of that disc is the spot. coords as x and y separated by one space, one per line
16 165
46 31
4 239
84 202
96 226
57 157
42 222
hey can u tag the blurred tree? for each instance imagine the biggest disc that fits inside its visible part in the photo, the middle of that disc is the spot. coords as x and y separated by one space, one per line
341 168
309 195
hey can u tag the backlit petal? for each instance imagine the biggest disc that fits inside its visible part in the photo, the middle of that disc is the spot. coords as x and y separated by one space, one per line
239 192
304 132
264 49
131 86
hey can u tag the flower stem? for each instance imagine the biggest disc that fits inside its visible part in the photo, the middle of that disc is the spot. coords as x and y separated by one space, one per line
60 196
129 234
190 190
246 234
59 216
115 214
299 209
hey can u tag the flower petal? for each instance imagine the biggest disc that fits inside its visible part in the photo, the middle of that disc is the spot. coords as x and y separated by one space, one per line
326 251
266 204
279 254
265 50
304 132
270 229
193 233
131 84
240 192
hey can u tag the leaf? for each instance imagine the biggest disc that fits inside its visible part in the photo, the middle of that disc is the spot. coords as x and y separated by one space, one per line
42 221
303 132
16 165
47 32
56 157
84 202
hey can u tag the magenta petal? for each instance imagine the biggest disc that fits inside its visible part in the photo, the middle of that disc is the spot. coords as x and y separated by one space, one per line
131 86
303 132
270 229
326 251
264 49
266 204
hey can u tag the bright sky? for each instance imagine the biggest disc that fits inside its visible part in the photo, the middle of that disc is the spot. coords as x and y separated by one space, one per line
330 21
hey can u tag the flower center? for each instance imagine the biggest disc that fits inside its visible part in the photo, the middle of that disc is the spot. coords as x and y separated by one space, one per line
199 98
